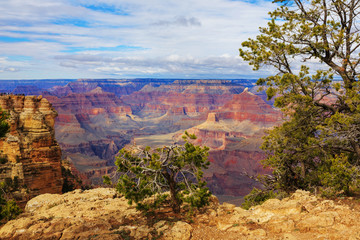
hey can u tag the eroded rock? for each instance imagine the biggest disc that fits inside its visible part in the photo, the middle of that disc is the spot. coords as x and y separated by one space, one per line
99 214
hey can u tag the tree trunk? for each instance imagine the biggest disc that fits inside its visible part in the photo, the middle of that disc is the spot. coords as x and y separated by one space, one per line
175 201
303 170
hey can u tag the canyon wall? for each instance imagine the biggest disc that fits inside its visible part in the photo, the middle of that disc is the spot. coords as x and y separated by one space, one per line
96 118
32 157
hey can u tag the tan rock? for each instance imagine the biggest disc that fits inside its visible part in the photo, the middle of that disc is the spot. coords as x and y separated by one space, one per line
257 234
33 154
240 228
180 231
227 207
161 227
238 211
224 226
141 232
274 207
289 236
98 214
280 224
315 221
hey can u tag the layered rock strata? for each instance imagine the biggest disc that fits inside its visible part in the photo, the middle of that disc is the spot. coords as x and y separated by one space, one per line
33 157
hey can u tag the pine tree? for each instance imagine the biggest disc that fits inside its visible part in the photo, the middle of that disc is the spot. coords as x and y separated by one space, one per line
172 172
321 103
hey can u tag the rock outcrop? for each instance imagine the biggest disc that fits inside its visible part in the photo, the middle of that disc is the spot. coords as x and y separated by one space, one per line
248 106
101 214
33 157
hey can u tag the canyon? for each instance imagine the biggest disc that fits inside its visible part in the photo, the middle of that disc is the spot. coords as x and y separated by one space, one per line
96 118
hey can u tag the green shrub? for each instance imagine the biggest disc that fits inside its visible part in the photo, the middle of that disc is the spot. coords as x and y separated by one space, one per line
8 208
337 176
258 196
172 174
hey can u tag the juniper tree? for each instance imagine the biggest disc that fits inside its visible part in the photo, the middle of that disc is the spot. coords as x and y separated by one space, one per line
173 172
321 102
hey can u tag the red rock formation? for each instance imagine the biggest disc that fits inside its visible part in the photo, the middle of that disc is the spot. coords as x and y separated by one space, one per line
248 106
30 147
94 102
233 134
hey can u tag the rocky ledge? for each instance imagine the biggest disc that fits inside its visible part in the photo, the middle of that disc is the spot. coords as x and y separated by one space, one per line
101 214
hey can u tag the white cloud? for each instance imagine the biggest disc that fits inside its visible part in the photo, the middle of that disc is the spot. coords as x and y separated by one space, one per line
173 65
199 33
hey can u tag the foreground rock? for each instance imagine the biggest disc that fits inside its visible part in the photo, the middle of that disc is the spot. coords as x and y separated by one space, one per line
100 214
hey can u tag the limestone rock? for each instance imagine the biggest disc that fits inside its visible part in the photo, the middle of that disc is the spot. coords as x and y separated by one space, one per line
100 214
33 154
180 231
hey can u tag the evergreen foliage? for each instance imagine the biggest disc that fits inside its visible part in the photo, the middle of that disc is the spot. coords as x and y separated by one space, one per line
170 174
258 196
4 126
317 147
8 208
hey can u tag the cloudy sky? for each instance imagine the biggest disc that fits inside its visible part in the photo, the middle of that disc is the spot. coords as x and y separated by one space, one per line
127 38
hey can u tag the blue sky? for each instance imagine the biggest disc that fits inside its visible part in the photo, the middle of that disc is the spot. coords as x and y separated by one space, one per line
127 38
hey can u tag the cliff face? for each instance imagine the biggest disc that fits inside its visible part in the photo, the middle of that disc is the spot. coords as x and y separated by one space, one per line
32 153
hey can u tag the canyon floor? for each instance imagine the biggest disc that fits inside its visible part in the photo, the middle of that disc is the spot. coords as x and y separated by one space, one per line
102 214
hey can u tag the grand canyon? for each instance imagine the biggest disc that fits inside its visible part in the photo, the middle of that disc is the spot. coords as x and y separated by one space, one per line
96 118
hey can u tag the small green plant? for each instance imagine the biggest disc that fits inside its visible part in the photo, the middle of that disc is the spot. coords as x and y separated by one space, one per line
4 126
8 208
258 196
172 174
124 234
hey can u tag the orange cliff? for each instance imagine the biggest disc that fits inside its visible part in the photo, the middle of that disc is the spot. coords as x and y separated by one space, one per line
248 106
32 153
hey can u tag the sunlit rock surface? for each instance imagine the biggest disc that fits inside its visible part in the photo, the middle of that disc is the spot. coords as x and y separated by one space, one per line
102 214
32 152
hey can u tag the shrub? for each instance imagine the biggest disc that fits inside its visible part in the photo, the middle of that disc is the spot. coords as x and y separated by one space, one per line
8 208
170 174
258 196
337 176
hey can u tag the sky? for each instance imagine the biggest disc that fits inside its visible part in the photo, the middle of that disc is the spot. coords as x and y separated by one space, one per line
69 39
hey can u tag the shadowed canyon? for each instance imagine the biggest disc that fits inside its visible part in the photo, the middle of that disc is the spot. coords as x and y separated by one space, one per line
96 118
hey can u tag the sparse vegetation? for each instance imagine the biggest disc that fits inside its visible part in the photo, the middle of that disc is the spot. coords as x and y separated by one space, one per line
4 126
8 207
317 147
69 180
258 196
172 174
